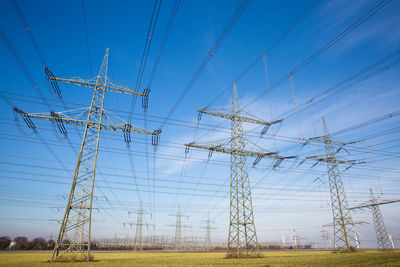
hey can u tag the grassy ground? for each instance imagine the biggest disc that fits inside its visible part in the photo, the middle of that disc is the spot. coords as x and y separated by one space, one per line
271 259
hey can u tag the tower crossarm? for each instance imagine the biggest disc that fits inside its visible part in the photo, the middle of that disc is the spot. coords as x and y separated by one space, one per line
327 139
127 127
235 116
370 204
332 159
354 222
180 226
241 152
133 223
90 82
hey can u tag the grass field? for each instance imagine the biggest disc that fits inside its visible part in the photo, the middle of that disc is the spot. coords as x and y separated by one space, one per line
272 259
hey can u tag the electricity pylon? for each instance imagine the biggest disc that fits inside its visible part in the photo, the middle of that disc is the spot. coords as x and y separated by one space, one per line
178 244
138 245
325 238
343 225
295 239
75 232
382 237
242 238
208 233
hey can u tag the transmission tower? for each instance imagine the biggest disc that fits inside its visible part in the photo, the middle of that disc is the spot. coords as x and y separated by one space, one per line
295 239
343 225
178 242
75 231
283 240
242 238
208 233
325 239
138 242
383 239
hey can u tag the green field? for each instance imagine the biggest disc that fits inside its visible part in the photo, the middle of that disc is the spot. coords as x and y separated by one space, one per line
291 258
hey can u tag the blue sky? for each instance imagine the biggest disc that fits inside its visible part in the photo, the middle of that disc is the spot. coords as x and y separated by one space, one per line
37 168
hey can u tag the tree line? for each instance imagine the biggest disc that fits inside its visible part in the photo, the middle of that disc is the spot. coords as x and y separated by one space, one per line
22 243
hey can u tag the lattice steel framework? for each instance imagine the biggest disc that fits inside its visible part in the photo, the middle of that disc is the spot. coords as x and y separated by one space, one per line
242 238
208 228
343 225
75 231
138 242
178 241
382 237
383 240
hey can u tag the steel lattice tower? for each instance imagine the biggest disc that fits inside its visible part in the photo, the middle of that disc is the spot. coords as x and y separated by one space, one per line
178 242
343 225
383 239
208 233
138 242
75 231
242 229
325 239
242 238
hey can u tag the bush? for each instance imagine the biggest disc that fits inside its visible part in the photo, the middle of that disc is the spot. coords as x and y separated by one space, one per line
21 242
51 244
5 241
39 243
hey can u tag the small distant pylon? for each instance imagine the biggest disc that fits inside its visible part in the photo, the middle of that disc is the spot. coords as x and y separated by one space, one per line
343 225
325 239
208 228
178 241
383 239
295 239
391 241
138 242
283 240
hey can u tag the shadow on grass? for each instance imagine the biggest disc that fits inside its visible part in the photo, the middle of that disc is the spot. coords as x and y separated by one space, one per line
73 258
243 256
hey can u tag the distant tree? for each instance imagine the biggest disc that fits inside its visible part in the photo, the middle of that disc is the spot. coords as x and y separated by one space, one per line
21 242
50 244
39 243
29 245
5 241
307 246
93 245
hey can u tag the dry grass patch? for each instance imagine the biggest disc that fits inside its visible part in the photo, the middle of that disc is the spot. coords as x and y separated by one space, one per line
73 258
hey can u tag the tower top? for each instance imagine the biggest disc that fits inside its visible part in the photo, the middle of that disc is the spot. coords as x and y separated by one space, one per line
235 99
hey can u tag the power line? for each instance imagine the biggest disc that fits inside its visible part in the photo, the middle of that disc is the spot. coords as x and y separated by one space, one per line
163 42
207 58
87 35
28 30
268 50
21 64
329 44
146 50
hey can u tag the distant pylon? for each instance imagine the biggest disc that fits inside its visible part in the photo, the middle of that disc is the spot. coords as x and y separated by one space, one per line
242 237
178 241
138 242
391 241
208 228
325 239
295 239
343 225
75 231
383 239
